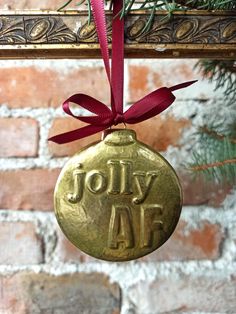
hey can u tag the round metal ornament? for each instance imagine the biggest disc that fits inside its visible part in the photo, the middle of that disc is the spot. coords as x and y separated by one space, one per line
118 199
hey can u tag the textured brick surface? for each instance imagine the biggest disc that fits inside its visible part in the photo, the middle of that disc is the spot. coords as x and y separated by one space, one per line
185 294
69 294
160 133
138 81
188 243
49 87
18 137
198 191
146 78
19 244
41 273
27 189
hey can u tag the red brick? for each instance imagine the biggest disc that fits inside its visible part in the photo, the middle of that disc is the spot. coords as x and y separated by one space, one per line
176 71
138 82
20 245
27 189
187 243
159 133
35 87
18 137
25 293
144 79
197 190
62 125
182 294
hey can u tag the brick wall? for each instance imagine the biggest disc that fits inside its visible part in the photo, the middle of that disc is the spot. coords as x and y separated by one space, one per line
41 272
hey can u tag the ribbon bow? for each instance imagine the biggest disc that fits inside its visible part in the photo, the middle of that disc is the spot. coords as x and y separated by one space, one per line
104 117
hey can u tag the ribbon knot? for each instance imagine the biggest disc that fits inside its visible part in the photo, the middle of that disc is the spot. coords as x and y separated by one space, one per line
103 117
118 118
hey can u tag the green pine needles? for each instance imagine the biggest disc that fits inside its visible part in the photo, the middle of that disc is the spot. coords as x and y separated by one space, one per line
215 156
223 73
216 152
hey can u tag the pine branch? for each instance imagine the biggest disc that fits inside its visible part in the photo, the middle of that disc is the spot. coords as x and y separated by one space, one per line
215 157
64 5
217 143
213 165
216 135
223 73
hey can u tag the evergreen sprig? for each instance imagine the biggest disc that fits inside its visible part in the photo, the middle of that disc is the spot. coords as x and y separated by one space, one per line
223 73
216 154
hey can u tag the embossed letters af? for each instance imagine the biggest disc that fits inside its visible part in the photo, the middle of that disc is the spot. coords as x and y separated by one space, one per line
118 200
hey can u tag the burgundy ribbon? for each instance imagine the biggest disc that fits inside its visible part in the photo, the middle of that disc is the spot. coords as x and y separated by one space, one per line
104 117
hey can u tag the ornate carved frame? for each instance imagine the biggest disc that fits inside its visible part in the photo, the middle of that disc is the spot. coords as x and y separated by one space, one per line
48 34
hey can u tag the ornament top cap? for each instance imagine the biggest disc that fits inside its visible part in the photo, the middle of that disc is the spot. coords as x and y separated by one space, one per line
119 137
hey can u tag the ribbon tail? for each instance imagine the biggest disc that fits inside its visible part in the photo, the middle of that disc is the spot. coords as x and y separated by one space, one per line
76 134
153 104
182 85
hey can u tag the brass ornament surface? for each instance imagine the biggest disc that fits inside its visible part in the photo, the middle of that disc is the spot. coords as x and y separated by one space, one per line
118 199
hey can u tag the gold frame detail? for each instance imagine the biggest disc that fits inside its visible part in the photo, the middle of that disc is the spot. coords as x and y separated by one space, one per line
50 35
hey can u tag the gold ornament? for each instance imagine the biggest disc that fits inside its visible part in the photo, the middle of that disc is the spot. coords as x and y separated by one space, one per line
118 199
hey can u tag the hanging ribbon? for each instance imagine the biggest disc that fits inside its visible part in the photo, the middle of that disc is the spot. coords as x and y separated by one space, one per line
104 117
